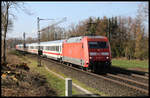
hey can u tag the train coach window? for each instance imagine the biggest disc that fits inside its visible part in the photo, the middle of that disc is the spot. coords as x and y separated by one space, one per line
52 48
41 47
36 47
60 48
47 48
57 48
31 47
99 44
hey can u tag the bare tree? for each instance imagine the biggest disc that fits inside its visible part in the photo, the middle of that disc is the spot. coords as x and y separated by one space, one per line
7 22
5 17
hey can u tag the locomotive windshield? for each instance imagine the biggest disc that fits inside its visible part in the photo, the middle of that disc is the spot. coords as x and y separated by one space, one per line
98 44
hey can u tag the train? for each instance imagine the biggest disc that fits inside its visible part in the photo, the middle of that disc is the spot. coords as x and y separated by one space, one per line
88 52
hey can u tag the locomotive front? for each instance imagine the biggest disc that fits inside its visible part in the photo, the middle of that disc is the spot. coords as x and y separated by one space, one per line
99 53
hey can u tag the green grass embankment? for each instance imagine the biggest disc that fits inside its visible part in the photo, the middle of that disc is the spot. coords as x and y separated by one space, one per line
124 63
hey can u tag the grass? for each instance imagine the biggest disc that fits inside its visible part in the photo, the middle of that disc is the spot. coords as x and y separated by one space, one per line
130 63
14 52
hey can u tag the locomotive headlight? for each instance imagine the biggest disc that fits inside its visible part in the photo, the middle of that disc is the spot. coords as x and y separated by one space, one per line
87 62
90 57
107 57
104 53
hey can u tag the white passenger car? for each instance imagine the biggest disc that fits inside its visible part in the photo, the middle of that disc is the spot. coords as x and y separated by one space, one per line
50 49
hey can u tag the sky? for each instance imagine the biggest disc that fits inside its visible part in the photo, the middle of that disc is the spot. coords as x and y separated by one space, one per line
73 11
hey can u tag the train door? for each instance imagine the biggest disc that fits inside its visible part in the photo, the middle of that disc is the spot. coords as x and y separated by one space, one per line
81 54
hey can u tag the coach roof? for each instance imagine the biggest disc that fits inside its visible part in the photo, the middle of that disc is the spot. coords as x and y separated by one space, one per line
78 39
48 42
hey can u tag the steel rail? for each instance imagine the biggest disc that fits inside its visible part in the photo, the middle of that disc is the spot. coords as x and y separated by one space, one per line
129 80
144 77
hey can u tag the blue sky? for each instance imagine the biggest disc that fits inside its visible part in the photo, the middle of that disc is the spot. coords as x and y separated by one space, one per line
74 11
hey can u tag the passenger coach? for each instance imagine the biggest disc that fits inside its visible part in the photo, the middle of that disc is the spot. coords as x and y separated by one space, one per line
50 49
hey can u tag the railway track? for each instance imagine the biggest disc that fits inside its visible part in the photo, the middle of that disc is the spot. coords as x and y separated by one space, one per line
139 76
114 85
130 82
135 77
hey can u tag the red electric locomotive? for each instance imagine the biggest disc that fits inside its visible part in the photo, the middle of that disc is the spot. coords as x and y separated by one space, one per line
90 52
